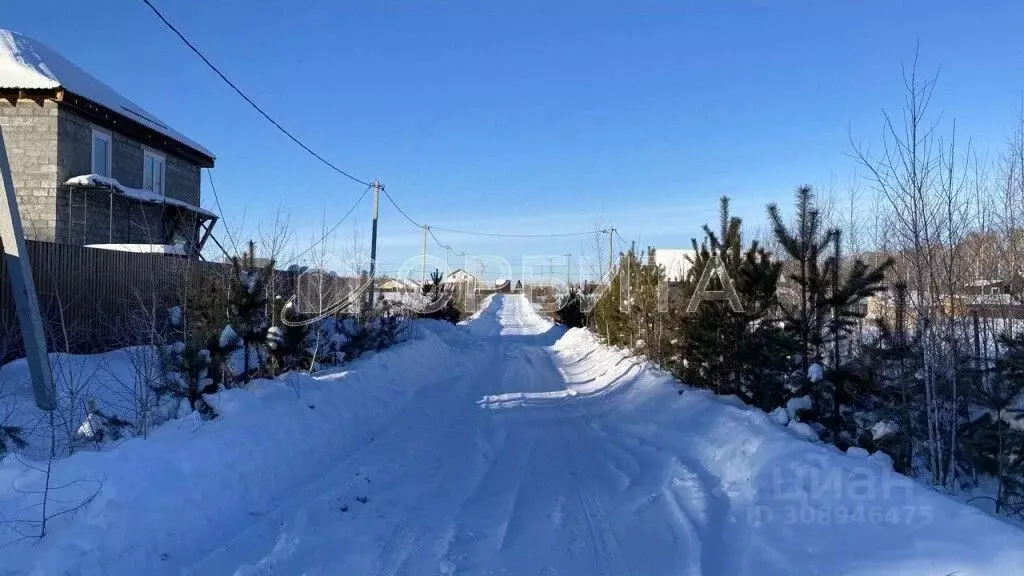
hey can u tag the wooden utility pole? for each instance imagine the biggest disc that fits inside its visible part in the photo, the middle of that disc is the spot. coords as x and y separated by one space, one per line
611 253
373 241
423 265
23 288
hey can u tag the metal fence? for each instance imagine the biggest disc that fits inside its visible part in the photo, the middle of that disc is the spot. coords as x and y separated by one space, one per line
88 296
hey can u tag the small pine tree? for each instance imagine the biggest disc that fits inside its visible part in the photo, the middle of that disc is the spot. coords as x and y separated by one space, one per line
187 377
247 305
894 362
569 312
822 310
996 437
845 378
441 304
287 339
609 319
743 353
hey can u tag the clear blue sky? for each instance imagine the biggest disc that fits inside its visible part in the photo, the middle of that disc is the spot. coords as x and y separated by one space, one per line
538 116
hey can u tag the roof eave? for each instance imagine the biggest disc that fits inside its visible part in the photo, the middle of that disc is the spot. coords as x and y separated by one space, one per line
125 124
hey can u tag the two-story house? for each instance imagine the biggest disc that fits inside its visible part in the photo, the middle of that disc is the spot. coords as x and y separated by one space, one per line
91 167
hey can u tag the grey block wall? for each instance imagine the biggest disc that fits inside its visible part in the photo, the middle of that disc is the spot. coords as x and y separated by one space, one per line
30 134
93 219
49 143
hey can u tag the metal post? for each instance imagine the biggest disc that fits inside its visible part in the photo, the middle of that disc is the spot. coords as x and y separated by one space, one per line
373 242
110 220
23 288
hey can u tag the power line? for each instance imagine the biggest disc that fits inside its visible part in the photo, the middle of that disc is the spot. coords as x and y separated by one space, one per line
220 210
326 162
333 228
400 211
439 243
504 235
255 106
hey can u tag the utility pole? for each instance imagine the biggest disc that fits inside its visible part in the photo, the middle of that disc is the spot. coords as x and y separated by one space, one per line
611 253
373 241
568 265
23 288
423 265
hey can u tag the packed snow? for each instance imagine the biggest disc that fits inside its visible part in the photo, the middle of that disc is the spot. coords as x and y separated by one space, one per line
503 446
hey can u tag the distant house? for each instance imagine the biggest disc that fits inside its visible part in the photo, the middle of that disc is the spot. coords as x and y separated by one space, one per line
398 285
519 286
90 166
459 276
676 262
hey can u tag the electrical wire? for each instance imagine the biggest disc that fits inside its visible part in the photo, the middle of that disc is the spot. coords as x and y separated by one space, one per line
328 163
400 211
333 228
245 97
220 211
504 235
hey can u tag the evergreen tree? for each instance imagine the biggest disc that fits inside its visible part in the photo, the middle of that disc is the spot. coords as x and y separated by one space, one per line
287 339
570 310
805 246
441 302
247 305
845 381
187 377
821 310
996 436
894 360
609 319
730 352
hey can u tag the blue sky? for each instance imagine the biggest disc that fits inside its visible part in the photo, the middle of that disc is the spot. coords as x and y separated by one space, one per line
537 116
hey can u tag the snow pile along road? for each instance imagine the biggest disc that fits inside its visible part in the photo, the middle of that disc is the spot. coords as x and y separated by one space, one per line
508 446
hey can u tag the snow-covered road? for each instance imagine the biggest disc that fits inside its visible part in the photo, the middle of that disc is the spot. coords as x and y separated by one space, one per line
544 453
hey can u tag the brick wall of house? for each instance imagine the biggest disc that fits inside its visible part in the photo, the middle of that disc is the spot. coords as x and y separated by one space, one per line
30 134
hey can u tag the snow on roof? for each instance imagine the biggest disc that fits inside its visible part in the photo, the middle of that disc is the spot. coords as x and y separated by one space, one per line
676 262
30 64
458 275
147 196
173 249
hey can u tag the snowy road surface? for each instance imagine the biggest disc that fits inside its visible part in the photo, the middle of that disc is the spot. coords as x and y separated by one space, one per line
503 447
542 461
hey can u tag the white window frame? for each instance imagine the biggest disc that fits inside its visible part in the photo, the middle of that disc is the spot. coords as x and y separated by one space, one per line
147 154
104 135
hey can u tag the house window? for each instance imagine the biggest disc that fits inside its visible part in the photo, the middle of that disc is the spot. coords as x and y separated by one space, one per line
101 152
153 172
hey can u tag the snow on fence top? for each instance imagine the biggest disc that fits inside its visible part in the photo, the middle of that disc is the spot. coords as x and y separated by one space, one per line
147 196
28 64
171 249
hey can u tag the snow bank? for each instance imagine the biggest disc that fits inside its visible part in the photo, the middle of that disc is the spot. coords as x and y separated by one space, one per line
193 485
791 507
